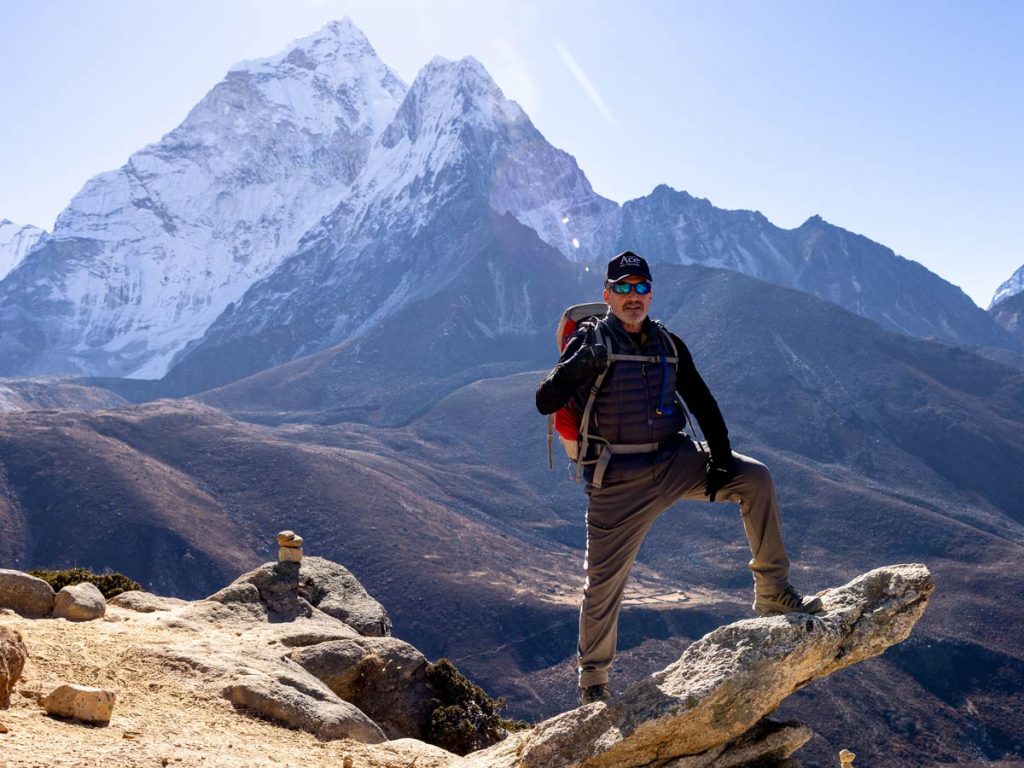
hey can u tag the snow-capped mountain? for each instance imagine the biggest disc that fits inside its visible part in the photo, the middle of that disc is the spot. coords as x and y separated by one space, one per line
1011 287
147 256
310 196
456 159
15 241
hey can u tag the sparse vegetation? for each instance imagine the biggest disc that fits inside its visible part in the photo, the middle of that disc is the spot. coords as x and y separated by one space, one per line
109 583
466 719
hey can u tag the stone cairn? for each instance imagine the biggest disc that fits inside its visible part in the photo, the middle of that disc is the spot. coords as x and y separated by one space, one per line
289 547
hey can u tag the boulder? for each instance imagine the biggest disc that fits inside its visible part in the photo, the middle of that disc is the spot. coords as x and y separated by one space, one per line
12 661
90 705
145 602
383 676
304 704
725 683
79 602
292 590
334 590
25 594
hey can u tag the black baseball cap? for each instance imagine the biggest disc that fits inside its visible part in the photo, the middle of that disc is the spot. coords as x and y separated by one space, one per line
625 264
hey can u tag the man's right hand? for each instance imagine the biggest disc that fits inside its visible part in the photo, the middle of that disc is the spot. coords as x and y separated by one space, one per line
589 361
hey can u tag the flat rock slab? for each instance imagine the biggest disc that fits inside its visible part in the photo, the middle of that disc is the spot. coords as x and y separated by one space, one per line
25 594
79 602
90 705
12 661
724 683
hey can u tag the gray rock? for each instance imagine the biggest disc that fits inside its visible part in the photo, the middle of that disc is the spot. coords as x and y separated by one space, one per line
293 590
12 661
769 743
90 705
25 594
303 703
383 676
79 602
145 602
236 593
724 683
334 590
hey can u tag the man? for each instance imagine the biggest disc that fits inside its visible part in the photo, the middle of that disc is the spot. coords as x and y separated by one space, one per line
637 461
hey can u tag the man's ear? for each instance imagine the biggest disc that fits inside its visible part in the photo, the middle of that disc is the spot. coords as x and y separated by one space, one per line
606 295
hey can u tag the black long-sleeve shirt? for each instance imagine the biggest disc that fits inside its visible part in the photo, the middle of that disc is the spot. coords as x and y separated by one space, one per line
558 388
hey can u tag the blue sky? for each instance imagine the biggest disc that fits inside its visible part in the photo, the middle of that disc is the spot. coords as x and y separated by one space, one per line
899 121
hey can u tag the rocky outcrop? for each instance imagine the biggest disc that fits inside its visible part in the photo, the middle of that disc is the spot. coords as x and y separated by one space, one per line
725 683
79 602
291 589
12 661
25 594
383 676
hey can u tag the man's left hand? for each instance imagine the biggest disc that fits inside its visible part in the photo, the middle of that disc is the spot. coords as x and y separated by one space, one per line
719 474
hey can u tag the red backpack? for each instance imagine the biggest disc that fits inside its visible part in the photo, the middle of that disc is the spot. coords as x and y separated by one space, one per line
566 421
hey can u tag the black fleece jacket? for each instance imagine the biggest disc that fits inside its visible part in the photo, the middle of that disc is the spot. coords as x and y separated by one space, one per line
557 389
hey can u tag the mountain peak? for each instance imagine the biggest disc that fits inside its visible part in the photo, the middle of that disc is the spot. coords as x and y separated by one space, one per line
467 77
319 51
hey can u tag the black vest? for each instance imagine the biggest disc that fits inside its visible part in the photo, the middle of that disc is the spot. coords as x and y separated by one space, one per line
627 406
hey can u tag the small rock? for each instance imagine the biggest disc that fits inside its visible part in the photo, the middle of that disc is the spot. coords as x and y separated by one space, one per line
79 602
846 758
289 555
289 539
91 705
12 660
347 762
25 594
3 728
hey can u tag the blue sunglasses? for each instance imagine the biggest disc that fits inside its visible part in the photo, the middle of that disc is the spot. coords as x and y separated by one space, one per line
624 289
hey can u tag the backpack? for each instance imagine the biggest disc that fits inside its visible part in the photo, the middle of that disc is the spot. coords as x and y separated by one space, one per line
566 421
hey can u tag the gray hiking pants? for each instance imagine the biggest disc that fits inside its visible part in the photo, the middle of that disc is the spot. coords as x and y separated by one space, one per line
619 516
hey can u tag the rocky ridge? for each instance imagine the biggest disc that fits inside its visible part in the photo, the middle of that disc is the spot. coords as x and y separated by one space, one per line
261 646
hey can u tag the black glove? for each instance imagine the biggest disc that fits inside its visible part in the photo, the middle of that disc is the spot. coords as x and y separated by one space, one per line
719 475
589 361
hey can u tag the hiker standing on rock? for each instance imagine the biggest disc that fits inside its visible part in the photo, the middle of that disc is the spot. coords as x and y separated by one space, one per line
621 377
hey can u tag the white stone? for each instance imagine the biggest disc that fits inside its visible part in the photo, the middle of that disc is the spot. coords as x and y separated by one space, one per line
289 555
79 602
91 705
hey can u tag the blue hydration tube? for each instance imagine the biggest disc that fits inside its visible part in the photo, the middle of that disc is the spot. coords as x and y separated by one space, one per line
663 409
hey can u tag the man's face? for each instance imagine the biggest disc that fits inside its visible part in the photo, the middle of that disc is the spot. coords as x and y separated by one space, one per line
631 308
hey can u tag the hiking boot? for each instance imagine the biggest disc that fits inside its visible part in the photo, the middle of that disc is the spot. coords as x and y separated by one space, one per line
786 601
592 693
